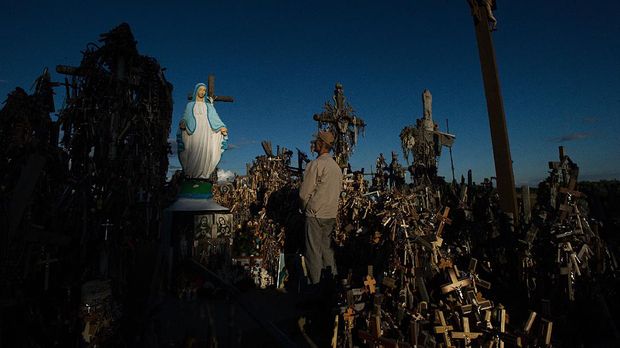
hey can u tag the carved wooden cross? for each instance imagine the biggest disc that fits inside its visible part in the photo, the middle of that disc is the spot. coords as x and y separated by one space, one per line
370 280
339 116
211 92
443 328
455 283
473 263
349 317
502 323
370 283
466 335
443 219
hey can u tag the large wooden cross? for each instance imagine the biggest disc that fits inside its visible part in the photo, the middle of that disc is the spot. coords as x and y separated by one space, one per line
480 10
211 92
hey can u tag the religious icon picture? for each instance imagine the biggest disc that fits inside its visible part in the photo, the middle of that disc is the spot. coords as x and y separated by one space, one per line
203 227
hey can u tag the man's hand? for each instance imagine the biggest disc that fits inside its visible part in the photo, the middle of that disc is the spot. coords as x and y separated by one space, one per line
224 131
182 125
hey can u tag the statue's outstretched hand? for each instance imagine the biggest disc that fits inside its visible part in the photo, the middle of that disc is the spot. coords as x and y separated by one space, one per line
224 131
210 99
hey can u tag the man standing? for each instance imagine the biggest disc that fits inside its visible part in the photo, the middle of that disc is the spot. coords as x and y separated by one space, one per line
319 195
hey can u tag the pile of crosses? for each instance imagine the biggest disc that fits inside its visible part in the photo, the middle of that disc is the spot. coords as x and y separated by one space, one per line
416 261
263 204
86 189
426 282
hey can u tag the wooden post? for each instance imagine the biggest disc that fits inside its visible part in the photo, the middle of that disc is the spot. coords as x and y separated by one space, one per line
495 109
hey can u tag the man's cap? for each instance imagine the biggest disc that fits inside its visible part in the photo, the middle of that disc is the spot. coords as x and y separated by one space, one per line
327 137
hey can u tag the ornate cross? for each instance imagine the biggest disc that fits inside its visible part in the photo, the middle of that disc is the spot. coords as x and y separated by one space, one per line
370 283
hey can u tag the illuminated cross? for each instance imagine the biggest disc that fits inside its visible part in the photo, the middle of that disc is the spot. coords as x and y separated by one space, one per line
370 283
466 335
443 329
455 283
443 219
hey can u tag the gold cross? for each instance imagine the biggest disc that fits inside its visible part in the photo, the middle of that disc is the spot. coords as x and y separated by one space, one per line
370 283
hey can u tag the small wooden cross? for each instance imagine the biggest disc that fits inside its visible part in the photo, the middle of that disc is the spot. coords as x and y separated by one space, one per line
443 219
370 284
502 323
466 335
443 328
473 263
349 317
455 283
106 226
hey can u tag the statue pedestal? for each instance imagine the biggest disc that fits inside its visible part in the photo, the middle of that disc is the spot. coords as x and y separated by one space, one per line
195 228
196 188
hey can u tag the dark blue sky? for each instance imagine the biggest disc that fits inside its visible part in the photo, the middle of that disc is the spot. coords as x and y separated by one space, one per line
559 70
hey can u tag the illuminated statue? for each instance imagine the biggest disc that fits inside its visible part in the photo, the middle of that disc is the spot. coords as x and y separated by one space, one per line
202 136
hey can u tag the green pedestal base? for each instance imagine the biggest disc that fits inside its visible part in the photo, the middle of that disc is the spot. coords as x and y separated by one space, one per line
194 188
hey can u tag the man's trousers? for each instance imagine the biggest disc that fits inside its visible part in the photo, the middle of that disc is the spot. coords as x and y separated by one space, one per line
319 253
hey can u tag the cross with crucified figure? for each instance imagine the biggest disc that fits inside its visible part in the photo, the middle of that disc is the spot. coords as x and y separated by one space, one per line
341 120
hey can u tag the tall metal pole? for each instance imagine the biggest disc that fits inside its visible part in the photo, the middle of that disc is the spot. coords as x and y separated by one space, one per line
495 108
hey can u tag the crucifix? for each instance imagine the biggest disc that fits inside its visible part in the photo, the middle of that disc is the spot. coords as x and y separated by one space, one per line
466 335
443 220
455 283
480 10
443 329
370 281
473 263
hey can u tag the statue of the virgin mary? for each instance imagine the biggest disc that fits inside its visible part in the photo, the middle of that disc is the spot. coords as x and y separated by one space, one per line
202 136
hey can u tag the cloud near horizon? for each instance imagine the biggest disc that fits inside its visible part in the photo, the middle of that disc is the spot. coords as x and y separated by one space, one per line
225 175
571 137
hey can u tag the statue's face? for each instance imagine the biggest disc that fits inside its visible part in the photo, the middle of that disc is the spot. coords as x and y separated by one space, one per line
202 91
